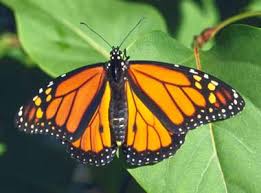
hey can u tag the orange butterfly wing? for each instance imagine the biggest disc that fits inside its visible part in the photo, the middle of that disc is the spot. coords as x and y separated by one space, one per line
182 98
95 145
74 108
147 140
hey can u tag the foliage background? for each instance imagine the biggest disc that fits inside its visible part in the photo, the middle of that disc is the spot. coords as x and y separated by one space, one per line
39 164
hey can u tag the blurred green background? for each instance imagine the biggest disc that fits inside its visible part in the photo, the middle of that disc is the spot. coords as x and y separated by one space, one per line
30 164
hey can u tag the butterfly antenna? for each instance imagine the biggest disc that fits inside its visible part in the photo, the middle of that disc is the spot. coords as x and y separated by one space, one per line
131 31
96 34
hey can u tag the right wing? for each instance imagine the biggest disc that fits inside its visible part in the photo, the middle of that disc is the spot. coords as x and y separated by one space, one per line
65 106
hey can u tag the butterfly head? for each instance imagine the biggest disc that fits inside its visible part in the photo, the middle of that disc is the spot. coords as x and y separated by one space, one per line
116 54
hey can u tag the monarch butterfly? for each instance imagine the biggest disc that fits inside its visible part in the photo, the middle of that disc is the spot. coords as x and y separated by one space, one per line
145 108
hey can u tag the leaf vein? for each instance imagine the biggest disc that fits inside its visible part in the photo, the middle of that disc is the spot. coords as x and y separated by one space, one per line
218 161
204 171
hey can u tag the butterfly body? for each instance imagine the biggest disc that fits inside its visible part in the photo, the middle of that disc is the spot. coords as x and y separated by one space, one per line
145 108
118 112
116 72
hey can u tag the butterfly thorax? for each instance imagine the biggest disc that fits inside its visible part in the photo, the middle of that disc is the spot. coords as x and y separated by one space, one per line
116 73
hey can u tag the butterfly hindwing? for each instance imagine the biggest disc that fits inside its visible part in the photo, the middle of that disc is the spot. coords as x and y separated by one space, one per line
182 98
147 140
95 146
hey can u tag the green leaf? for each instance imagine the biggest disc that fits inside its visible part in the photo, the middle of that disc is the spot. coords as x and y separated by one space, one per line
227 158
51 33
10 47
194 18
255 5
2 148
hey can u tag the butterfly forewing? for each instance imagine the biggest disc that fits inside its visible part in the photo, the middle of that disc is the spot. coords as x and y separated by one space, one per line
182 98
65 105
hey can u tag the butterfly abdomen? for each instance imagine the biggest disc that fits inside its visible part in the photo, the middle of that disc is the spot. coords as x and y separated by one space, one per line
118 113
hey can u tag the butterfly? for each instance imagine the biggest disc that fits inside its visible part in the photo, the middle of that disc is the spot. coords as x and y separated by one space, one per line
144 108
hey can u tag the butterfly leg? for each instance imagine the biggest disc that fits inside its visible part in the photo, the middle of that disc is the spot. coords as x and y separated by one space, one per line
125 55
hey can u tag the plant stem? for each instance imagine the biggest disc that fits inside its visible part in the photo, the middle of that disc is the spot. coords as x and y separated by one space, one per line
210 33
234 19
197 58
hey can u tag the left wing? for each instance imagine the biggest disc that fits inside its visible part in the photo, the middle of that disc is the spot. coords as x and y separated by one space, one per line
182 98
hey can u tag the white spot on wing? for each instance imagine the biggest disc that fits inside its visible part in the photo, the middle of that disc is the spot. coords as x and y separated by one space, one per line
50 84
206 76
193 71
40 90
20 113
